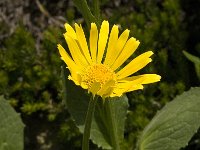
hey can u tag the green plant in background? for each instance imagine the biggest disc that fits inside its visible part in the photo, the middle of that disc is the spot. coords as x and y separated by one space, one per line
25 73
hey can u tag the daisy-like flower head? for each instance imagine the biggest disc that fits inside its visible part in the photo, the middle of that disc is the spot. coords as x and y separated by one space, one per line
97 66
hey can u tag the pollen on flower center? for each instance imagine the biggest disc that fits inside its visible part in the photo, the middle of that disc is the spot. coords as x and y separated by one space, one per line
98 73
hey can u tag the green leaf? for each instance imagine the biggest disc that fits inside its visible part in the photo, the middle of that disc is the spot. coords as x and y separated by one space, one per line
195 60
108 123
174 125
192 58
11 128
76 100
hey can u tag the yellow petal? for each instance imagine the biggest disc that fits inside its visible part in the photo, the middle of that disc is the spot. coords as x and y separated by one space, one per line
83 85
93 41
119 46
70 31
95 88
67 59
103 36
108 92
111 44
83 43
106 88
124 87
142 79
136 64
151 78
128 50
75 51
135 87
75 77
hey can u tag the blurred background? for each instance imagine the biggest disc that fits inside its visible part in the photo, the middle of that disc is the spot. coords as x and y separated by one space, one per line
30 65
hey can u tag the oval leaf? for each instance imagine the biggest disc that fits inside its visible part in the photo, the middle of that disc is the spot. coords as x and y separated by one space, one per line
11 128
174 125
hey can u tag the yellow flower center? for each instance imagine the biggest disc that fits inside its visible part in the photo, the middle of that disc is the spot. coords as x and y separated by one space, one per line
98 73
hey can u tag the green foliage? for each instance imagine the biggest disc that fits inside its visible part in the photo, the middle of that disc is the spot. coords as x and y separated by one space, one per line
20 46
174 125
27 73
11 127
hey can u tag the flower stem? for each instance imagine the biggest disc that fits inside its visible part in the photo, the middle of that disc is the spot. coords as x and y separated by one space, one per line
88 122
97 11
113 129
85 11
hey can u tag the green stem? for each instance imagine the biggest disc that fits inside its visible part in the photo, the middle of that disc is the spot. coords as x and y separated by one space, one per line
88 122
85 11
97 11
113 130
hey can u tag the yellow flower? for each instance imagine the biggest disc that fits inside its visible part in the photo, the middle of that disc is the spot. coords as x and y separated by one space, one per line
97 67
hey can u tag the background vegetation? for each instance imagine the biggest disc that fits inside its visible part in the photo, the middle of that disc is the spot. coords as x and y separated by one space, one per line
30 64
